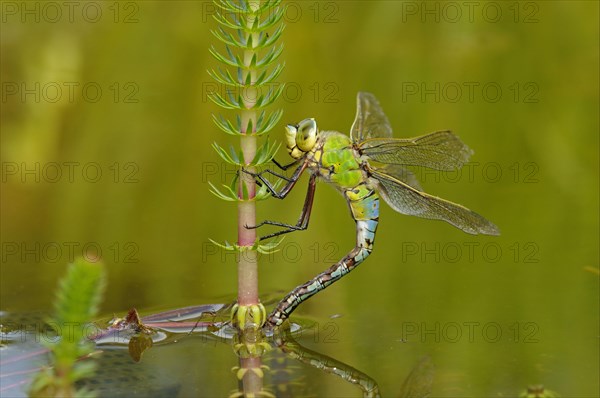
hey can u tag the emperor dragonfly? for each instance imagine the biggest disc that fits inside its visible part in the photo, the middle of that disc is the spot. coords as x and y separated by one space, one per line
362 167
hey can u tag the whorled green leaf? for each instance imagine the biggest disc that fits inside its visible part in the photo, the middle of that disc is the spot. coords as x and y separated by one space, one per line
222 20
231 59
264 248
262 193
226 78
245 194
223 77
77 301
265 78
250 32
242 7
268 98
271 247
230 157
272 19
265 153
226 103
249 127
249 43
229 39
254 27
260 119
79 292
270 57
83 370
225 246
232 6
226 125
229 195
239 101
268 40
264 125
267 6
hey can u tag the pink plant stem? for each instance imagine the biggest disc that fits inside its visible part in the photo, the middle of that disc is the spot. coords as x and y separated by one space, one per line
247 263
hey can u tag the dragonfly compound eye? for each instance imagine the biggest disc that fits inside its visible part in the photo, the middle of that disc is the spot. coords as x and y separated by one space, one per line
290 137
306 137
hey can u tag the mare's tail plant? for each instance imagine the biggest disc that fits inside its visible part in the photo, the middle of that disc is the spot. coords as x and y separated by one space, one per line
77 300
250 31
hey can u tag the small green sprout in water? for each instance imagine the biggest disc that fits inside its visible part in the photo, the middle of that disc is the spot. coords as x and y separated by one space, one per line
77 300
538 391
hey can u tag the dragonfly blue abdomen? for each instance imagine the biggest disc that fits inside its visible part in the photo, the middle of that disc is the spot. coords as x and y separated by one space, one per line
365 236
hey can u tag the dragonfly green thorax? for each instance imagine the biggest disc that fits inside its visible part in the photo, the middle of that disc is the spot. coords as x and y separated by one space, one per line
365 166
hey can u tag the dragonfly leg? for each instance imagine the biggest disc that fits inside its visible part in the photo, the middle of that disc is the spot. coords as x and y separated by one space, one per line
285 190
365 235
259 175
260 181
304 218
285 166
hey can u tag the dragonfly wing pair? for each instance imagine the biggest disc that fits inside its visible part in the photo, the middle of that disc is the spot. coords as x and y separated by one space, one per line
389 157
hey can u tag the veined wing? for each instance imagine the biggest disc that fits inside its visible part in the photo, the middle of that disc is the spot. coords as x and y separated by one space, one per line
401 173
407 200
441 150
370 121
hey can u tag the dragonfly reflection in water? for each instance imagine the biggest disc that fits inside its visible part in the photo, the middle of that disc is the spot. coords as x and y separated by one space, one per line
364 166
116 375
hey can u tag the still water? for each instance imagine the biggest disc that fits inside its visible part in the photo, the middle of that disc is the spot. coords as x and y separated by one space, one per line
106 151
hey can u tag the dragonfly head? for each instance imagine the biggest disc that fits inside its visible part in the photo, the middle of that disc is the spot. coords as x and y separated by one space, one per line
301 138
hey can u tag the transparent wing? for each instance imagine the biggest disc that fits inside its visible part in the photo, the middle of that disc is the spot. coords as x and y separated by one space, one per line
419 382
370 121
401 173
407 200
441 150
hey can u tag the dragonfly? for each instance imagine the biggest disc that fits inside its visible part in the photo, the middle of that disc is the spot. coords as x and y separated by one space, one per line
365 166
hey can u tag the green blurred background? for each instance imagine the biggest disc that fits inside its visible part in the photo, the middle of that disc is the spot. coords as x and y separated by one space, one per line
114 97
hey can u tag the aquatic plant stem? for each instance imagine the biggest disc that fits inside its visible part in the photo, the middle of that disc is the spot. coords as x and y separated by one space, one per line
250 70
247 263
249 29
252 382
